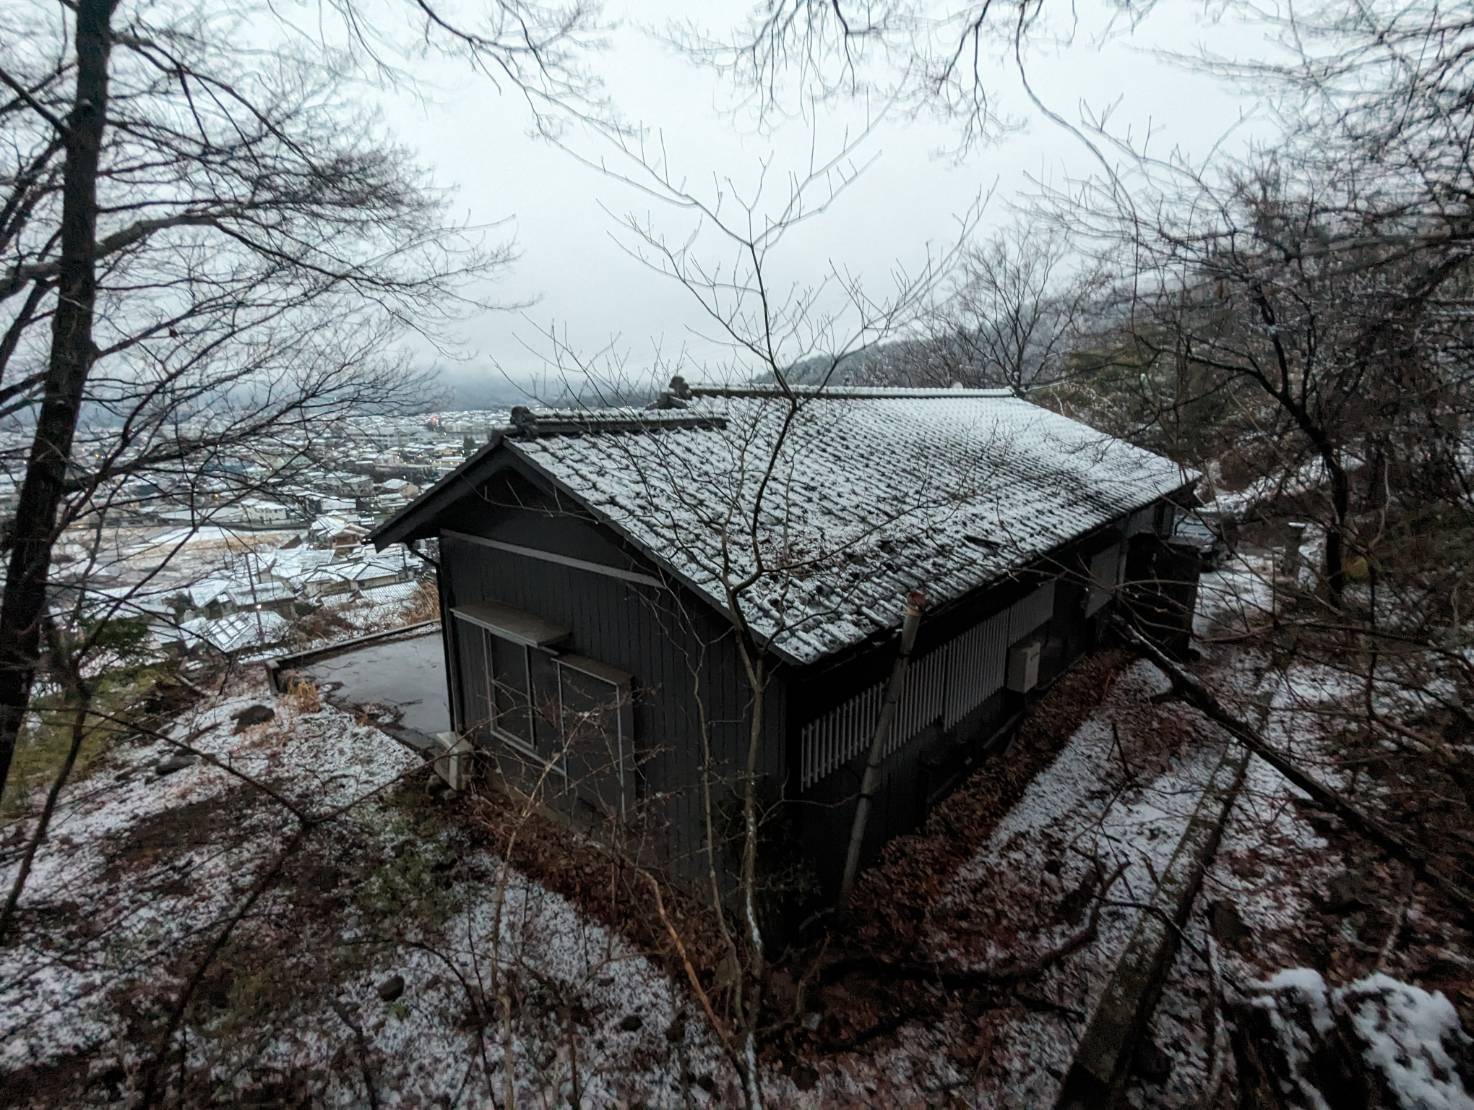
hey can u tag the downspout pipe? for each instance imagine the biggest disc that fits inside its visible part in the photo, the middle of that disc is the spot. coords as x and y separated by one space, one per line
414 550
910 623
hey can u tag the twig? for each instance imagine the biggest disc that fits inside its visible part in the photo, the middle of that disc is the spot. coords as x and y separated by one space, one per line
691 976
1389 945
363 1057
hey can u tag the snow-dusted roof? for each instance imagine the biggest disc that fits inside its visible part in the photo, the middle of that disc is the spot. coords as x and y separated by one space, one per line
872 493
207 590
354 569
233 633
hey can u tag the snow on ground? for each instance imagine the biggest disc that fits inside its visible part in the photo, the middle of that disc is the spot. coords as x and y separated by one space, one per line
49 993
1074 831
510 992
1282 893
497 970
505 984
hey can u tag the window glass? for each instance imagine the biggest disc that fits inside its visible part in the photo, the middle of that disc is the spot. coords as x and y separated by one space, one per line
511 703
574 711
596 716
546 708
475 685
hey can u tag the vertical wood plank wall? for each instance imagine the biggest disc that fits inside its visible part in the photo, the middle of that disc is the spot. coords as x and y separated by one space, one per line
669 649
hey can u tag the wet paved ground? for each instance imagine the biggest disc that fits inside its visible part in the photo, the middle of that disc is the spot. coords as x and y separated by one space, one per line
404 677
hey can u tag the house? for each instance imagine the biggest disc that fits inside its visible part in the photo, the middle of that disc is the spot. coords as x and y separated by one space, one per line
206 597
332 531
613 566
354 575
265 594
289 565
258 512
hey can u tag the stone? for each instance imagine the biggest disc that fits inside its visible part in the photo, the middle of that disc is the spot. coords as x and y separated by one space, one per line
176 762
253 715
391 988
1346 891
1227 923
631 1023
805 1078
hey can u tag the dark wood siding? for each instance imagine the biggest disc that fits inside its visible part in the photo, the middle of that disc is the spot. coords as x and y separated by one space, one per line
921 772
670 643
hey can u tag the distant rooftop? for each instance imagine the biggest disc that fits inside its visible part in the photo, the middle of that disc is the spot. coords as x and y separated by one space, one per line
541 422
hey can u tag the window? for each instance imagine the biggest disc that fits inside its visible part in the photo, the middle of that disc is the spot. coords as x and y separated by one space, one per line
508 671
506 674
595 721
571 711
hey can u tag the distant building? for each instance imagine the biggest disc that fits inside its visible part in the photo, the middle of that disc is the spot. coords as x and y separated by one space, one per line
258 512
336 533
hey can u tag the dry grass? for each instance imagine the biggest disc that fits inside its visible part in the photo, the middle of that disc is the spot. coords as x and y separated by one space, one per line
303 695
425 605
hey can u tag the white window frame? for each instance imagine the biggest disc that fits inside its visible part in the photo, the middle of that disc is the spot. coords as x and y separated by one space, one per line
621 683
622 686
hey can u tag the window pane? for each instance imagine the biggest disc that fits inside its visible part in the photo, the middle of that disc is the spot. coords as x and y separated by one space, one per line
475 686
546 709
511 709
595 713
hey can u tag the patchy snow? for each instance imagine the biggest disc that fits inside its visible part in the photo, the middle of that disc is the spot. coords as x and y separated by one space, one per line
1407 1033
140 868
50 993
1292 903
1406 1036
1088 817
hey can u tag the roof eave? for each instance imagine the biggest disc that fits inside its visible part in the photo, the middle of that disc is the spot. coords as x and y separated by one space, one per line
402 526
663 565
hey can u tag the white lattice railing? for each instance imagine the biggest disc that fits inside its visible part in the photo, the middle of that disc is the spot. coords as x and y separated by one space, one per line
945 684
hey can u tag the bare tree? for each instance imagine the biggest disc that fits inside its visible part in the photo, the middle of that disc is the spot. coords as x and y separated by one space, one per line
926 57
222 259
1019 315
739 526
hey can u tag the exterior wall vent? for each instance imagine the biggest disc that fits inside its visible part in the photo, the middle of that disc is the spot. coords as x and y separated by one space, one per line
454 761
1023 666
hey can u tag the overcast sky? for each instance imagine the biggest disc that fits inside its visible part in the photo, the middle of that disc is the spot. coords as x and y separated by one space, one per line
476 141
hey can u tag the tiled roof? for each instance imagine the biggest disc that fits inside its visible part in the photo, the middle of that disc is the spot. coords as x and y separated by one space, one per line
872 493
235 632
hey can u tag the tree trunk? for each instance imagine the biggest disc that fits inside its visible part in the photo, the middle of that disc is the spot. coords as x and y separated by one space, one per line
72 352
1336 533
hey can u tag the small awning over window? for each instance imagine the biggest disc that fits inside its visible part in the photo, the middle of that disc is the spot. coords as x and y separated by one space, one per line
516 625
602 671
